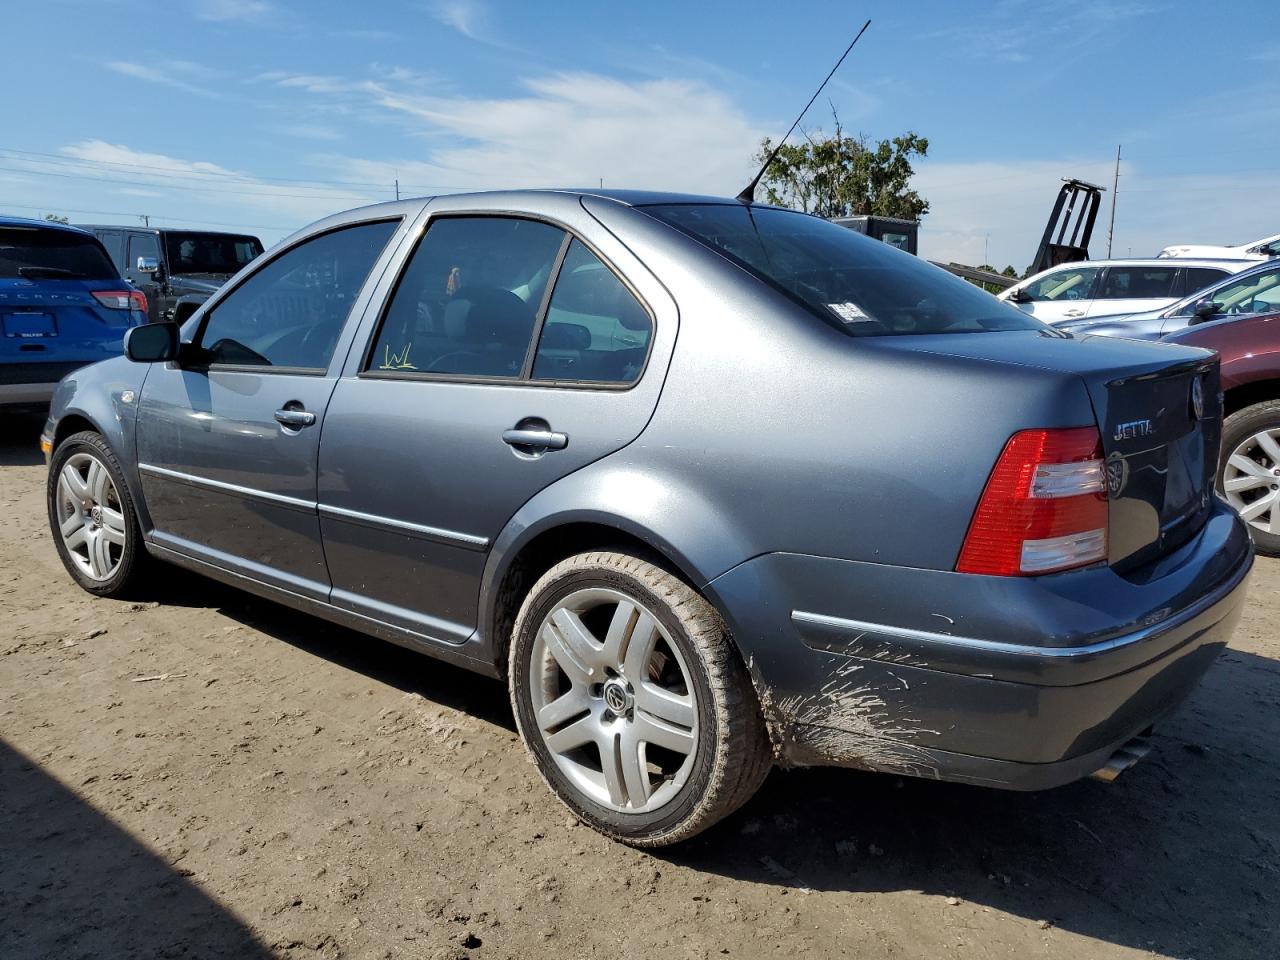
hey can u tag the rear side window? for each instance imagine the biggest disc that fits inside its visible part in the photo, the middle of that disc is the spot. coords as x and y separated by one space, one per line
595 329
1139 283
467 302
858 285
1197 278
36 253
292 311
210 252
1076 283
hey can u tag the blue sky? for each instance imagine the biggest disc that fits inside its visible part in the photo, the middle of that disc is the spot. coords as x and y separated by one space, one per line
267 114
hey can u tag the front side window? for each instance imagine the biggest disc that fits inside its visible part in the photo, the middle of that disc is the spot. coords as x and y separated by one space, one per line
35 253
292 311
595 329
858 285
1062 286
1256 293
1138 283
467 302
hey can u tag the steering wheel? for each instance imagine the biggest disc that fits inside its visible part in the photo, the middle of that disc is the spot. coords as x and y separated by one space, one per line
1242 307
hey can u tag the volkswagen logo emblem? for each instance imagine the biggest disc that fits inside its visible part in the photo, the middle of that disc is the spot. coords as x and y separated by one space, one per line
616 697
1197 398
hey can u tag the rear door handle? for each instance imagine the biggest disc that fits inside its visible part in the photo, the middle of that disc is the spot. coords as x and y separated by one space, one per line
535 439
295 418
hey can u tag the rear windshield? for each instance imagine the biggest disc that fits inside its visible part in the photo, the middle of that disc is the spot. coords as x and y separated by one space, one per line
210 252
36 253
859 285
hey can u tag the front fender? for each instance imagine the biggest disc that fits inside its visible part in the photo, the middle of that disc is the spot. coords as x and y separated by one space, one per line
105 396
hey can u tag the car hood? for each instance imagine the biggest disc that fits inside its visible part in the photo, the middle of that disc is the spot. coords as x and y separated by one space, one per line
1109 322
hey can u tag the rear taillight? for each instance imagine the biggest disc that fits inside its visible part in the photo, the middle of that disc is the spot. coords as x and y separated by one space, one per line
122 299
1044 507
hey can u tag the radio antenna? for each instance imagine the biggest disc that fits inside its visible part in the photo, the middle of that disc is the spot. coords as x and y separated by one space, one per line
748 195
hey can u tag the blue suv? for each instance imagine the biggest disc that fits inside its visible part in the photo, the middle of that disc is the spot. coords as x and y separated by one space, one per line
62 305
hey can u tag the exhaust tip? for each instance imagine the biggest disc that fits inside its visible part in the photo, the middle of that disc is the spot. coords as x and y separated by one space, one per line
1122 759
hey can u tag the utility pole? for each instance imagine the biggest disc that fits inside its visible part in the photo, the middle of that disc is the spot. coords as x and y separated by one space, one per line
397 188
1115 188
145 218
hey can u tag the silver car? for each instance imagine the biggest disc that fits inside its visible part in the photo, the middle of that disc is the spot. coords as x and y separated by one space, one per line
711 486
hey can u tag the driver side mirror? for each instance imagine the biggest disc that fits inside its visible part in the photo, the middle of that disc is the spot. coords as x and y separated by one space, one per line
1207 308
152 343
1020 296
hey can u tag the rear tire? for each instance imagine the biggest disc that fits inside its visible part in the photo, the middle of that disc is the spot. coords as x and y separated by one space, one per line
601 640
92 517
1249 471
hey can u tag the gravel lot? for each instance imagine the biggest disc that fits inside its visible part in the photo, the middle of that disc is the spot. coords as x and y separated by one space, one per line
279 787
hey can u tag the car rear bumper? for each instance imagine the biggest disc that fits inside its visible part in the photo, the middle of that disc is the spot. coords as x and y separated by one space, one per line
1023 683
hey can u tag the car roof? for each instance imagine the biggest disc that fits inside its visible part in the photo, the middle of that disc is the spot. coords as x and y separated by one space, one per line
158 230
28 222
1158 262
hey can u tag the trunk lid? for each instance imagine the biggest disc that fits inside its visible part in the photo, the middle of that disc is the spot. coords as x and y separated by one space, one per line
1160 443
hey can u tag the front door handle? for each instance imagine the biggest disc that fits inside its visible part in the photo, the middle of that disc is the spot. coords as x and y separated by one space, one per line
1074 313
534 439
295 418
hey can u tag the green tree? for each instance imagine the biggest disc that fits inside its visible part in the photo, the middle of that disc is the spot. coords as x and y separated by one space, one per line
55 218
841 176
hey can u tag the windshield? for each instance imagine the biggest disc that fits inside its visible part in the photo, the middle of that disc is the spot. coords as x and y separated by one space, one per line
210 252
34 253
1255 292
858 285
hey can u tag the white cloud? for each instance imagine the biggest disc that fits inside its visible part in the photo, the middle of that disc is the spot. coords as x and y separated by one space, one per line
308 131
468 17
231 10
167 73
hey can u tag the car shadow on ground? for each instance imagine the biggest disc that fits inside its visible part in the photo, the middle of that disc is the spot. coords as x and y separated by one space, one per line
76 885
20 438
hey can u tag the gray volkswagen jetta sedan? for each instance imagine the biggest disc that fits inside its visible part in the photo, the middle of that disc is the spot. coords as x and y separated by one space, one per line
713 486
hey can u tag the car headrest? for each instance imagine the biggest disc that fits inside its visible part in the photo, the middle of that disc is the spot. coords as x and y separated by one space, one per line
566 336
487 315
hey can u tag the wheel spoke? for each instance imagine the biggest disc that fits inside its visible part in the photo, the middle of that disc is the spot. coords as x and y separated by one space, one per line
72 524
611 767
76 538
568 648
665 705
1236 484
99 555
75 485
655 731
615 641
1258 507
563 708
113 526
574 735
1251 467
635 773
644 637
98 480
1270 447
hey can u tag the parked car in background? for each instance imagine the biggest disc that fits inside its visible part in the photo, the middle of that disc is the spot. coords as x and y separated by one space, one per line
1262 249
174 267
799 531
1249 465
1251 292
62 305
1075 291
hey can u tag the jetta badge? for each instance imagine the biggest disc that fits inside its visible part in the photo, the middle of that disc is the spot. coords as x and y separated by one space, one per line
1134 429
1197 398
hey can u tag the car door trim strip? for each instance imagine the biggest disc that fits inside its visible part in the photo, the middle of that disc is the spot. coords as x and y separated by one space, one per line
234 489
404 526
324 509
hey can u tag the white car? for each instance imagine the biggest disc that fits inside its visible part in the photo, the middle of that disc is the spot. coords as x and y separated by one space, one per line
1075 291
1262 249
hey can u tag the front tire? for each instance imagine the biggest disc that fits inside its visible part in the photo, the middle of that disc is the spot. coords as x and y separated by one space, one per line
92 516
628 693
1249 471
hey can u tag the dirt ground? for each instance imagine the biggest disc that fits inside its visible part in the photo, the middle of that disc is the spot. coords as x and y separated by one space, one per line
280 787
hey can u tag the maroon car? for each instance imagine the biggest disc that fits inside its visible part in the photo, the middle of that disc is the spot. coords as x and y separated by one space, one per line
1249 465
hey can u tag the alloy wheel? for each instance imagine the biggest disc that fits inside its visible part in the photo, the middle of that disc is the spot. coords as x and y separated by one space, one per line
90 516
1251 480
613 701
